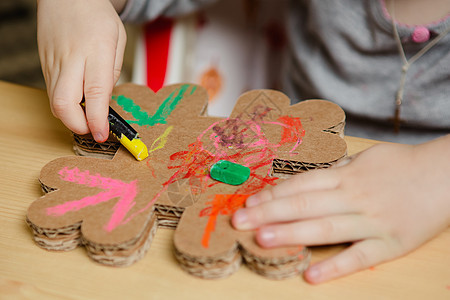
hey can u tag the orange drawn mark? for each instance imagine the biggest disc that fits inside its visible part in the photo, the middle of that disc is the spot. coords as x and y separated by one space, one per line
372 268
292 132
212 81
221 205
152 169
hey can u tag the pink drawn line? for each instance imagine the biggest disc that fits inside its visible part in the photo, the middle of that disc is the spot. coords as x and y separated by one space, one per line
126 192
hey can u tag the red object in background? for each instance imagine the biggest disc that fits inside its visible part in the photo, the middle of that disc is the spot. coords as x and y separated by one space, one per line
157 44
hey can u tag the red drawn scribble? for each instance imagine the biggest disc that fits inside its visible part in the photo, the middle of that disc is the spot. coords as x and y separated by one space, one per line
236 140
192 165
113 188
220 205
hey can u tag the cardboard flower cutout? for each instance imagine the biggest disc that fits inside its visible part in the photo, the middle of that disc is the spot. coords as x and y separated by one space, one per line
114 206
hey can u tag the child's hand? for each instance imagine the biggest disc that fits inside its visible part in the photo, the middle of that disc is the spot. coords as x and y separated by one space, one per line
81 46
388 201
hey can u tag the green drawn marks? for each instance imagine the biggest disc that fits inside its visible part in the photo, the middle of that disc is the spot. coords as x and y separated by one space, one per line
163 111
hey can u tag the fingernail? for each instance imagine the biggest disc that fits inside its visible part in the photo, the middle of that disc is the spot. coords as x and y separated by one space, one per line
99 137
313 274
252 201
240 219
267 235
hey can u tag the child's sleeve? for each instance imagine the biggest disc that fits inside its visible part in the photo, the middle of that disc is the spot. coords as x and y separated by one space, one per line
138 11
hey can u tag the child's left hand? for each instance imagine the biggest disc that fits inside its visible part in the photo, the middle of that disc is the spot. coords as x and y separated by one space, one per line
388 200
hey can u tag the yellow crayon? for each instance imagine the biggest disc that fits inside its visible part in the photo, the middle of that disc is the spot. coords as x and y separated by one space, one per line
126 135
135 146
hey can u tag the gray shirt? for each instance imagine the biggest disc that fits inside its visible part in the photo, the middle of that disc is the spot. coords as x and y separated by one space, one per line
345 51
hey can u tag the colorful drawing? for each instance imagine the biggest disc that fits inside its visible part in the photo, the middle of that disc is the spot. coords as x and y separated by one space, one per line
114 206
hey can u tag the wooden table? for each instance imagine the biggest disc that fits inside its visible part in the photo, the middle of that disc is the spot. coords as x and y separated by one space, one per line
30 137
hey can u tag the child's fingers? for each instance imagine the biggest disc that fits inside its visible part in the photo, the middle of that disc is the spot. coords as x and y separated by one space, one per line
50 72
66 95
51 78
120 50
295 207
320 231
310 181
98 85
359 256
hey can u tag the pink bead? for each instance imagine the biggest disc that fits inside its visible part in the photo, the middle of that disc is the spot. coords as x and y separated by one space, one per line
421 34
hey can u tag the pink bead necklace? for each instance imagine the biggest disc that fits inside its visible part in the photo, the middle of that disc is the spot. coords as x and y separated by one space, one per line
421 34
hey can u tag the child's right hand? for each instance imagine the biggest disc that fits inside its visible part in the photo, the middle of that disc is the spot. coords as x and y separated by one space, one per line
387 201
81 46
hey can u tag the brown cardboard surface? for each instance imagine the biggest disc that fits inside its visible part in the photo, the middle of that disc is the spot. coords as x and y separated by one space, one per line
114 200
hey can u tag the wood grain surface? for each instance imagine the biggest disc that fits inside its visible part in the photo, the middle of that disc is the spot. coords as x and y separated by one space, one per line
30 137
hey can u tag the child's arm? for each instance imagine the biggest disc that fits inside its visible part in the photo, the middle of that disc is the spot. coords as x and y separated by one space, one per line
388 200
81 46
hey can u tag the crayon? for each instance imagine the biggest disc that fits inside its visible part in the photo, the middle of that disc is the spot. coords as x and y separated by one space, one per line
228 172
126 135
